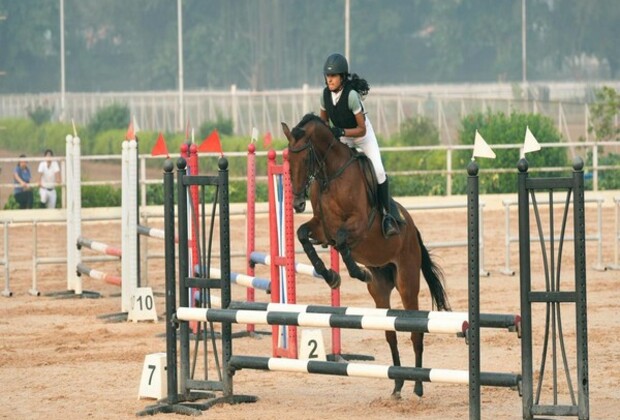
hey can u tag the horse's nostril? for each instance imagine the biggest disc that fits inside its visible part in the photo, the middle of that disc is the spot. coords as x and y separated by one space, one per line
299 206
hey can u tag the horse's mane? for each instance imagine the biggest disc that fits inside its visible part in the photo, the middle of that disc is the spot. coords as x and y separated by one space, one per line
298 130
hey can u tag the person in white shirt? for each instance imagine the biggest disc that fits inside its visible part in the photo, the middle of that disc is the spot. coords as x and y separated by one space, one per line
49 177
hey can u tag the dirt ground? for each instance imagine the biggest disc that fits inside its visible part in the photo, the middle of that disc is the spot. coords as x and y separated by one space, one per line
59 358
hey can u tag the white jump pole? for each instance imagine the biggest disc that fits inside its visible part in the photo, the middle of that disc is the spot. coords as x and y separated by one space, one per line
129 223
69 209
73 211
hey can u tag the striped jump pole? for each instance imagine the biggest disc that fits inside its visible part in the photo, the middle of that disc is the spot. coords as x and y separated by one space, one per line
450 325
262 258
510 322
364 370
83 269
99 247
240 279
152 232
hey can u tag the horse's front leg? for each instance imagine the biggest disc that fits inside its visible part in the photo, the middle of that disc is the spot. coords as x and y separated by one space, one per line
354 269
304 233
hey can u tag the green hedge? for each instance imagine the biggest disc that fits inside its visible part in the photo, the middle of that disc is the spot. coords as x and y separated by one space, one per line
499 128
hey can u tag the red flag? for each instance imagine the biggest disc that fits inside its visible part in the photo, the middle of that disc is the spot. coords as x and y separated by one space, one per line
267 140
130 133
160 147
211 143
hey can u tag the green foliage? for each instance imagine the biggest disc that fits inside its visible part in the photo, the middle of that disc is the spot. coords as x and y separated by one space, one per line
223 125
52 136
40 114
100 196
111 117
604 114
499 128
23 136
11 203
17 135
92 196
421 185
609 179
155 194
416 184
417 131
107 142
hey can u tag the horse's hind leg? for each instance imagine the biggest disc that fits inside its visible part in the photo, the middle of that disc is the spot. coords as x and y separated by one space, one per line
303 234
354 269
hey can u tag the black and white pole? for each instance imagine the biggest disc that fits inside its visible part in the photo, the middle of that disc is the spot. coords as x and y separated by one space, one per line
473 289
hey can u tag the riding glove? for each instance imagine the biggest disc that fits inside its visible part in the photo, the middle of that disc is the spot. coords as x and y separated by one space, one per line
337 132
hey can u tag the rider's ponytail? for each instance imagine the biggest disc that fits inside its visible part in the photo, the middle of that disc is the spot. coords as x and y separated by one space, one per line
359 85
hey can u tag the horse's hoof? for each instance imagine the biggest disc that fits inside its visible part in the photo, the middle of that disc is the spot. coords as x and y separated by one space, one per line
333 279
396 395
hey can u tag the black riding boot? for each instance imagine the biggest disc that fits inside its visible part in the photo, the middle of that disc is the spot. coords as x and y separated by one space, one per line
388 224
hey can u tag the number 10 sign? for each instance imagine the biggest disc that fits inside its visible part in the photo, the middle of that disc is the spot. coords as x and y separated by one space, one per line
142 306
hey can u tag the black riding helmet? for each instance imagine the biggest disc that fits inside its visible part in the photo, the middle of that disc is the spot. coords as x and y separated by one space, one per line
336 64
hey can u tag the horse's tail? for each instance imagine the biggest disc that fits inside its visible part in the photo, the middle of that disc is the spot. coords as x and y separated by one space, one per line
434 278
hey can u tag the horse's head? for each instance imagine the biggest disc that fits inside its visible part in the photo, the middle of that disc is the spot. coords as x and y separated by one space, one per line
299 146
308 144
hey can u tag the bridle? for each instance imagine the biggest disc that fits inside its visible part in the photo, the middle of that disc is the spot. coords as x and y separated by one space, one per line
314 164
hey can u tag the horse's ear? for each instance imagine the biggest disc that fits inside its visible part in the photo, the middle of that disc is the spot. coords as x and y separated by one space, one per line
286 131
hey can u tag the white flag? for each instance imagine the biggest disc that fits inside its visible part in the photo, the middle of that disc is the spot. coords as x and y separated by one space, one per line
530 144
254 134
481 148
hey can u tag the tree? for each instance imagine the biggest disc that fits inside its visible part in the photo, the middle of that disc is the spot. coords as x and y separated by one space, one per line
581 28
604 113
115 45
28 53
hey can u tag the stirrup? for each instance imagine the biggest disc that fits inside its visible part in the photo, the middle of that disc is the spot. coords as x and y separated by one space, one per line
389 226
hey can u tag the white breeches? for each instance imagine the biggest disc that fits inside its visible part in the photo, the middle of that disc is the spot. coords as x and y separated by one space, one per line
369 145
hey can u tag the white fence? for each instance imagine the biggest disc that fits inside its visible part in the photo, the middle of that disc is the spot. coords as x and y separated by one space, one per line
388 107
583 149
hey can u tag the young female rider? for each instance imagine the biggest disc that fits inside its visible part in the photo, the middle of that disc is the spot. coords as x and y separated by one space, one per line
342 108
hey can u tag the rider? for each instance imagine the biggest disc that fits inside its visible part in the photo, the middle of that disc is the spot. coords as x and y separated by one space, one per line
341 106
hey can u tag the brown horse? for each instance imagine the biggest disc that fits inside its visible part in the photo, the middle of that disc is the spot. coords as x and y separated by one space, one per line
346 215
